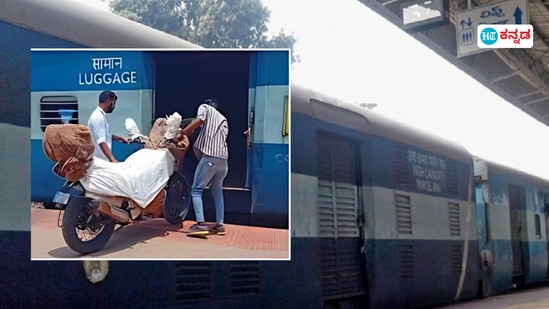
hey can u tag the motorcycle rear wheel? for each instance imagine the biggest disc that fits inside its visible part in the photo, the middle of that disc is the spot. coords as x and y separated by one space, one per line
79 219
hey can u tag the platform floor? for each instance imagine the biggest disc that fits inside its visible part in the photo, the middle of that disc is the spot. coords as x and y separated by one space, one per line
157 239
533 298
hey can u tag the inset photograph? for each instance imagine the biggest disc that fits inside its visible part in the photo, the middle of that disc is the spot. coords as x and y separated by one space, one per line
160 154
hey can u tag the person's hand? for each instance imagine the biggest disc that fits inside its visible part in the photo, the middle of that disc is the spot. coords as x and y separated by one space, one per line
114 161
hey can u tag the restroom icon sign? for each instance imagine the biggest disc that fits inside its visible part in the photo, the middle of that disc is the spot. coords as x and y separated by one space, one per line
467 36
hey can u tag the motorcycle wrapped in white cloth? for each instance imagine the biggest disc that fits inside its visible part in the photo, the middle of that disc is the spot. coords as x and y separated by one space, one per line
146 184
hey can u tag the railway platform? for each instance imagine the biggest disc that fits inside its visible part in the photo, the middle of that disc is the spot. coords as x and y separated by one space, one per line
157 239
530 298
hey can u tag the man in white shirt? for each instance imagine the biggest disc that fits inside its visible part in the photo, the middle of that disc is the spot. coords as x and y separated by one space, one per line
99 127
211 150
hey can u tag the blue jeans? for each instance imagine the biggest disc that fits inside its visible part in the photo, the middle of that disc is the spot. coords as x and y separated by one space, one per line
209 171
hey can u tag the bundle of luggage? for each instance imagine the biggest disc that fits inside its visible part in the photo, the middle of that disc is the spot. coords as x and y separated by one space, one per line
71 148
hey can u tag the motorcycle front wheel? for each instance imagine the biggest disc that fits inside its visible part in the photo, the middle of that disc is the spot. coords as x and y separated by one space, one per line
84 229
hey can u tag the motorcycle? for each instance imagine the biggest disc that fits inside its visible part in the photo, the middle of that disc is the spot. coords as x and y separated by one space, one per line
88 220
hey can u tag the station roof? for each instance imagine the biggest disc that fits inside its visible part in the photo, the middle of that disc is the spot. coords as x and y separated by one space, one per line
519 75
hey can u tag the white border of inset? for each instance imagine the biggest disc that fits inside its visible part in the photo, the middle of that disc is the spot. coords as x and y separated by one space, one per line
89 258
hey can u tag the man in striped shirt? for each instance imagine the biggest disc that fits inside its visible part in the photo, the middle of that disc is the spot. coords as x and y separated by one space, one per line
211 150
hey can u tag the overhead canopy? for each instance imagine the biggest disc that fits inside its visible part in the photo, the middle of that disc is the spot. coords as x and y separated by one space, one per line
520 76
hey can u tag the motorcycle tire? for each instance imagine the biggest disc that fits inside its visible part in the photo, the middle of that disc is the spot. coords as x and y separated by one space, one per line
178 199
76 217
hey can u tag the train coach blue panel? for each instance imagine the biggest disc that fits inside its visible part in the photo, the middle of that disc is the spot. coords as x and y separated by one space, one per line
419 272
160 284
15 72
271 187
391 165
269 153
271 68
91 70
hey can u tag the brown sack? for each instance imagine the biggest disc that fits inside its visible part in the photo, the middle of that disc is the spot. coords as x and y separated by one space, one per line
71 146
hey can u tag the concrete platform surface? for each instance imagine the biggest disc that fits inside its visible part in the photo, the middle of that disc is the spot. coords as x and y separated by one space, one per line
157 239
533 298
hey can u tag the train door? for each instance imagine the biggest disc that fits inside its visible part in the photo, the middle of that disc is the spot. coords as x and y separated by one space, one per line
517 204
546 207
183 80
341 260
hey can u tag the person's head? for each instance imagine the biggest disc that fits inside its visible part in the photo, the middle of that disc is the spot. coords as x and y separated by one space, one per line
107 101
211 102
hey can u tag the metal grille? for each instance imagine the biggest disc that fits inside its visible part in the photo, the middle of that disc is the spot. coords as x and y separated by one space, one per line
325 203
454 218
244 278
400 169
50 106
337 203
451 178
406 261
403 214
456 258
193 282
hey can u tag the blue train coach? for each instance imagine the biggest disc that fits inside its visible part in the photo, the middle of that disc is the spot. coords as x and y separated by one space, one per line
513 225
383 215
384 209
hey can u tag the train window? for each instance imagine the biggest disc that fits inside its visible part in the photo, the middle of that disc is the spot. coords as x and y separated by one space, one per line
451 177
401 174
58 110
454 217
286 125
537 225
403 214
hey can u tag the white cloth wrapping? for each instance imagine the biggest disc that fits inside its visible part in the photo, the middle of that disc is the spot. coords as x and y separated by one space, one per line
140 177
133 130
172 123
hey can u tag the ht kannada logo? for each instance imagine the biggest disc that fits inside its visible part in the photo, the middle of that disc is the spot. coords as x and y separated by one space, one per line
505 36
489 36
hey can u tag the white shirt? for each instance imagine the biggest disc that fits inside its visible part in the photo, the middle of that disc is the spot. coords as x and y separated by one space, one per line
212 140
100 132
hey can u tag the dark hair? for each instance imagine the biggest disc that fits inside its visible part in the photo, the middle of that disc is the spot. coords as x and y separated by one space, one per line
107 95
211 102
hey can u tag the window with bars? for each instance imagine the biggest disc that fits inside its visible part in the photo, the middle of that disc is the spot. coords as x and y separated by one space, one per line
52 108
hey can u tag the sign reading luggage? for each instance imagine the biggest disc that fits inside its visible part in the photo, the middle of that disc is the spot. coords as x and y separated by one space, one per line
91 70
109 77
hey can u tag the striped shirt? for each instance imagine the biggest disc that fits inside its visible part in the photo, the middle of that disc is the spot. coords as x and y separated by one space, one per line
212 140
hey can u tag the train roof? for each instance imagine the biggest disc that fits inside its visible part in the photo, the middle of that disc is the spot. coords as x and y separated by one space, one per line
335 111
84 25
498 168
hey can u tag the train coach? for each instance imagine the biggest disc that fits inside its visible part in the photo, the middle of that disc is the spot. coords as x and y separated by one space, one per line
385 209
383 215
398 218
513 227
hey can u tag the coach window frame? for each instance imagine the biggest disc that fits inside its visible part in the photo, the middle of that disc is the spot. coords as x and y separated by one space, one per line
56 101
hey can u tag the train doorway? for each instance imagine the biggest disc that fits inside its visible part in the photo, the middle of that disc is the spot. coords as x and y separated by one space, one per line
517 205
546 208
185 79
338 204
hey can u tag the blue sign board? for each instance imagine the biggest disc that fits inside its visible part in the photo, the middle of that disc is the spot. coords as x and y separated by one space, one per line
82 70
504 12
